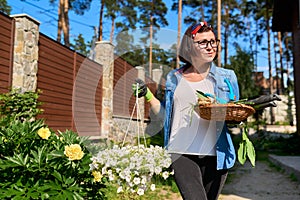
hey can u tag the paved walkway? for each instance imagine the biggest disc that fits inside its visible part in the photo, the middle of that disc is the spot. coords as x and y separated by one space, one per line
291 164
262 182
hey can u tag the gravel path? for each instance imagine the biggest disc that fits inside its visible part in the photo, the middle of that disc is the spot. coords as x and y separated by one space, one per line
260 183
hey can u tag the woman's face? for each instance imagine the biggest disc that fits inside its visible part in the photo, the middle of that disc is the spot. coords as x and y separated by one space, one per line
205 47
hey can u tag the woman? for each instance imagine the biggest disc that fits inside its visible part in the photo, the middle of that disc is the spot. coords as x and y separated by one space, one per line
202 150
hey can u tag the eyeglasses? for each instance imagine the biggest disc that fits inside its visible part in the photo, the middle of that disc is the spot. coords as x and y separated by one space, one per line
204 43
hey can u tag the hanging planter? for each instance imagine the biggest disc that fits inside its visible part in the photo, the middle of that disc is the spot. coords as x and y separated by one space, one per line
131 169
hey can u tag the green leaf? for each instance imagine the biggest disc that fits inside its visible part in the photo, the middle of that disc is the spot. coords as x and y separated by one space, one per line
251 152
69 181
56 154
18 197
59 196
55 187
68 194
45 187
39 156
18 160
77 196
57 175
8 193
14 160
25 160
5 164
246 149
242 153
32 193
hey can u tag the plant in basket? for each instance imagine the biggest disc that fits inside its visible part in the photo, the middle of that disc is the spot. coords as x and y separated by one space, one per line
211 107
214 108
129 169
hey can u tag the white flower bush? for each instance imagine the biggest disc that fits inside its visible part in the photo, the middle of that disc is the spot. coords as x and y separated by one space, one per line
131 168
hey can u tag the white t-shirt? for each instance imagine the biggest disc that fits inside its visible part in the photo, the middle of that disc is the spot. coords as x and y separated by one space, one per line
191 134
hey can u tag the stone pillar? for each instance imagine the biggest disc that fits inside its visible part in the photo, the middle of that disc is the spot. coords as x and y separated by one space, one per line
25 64
157 75
104 55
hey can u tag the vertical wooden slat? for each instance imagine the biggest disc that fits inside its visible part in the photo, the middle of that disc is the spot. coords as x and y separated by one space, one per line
74 78
6 49
12 41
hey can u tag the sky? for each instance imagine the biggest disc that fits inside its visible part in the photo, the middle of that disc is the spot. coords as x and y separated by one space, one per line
46 14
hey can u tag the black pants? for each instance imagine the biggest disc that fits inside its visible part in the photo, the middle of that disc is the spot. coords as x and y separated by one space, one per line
198 178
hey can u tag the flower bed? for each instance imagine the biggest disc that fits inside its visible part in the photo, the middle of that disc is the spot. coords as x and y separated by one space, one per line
38 163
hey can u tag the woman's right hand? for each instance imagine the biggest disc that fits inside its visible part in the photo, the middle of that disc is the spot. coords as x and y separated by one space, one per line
140 89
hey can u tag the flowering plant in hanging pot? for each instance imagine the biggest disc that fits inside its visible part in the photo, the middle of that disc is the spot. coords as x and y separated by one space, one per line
130 169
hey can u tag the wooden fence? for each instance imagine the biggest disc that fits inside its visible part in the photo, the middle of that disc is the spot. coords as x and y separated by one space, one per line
58 67
57 70
6 52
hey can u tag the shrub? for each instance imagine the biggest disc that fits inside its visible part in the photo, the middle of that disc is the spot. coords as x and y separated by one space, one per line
33 167
36 162
20 106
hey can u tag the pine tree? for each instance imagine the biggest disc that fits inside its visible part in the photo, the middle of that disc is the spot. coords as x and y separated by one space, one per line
4 7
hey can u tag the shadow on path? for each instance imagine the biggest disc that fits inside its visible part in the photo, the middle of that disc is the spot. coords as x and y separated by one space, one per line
260 183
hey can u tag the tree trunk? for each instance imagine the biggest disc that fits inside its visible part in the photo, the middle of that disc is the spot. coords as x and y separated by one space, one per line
202 11
150 46
63 22
100 36
66 23
112 30
296 64
269 60
60 18
219 32
226 34
286 43
256 45
281 61
178 32
275 63
151 37
251 43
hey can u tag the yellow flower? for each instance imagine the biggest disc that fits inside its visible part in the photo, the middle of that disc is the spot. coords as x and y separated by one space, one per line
97 176
44 133
73 152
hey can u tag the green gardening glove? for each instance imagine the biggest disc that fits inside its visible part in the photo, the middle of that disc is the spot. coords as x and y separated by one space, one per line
143 90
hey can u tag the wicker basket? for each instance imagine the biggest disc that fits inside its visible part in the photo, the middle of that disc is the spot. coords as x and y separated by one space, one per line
228 112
